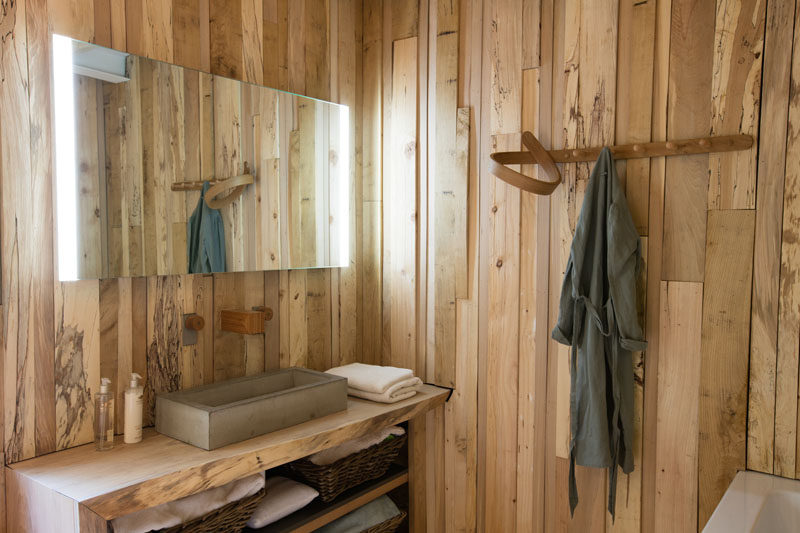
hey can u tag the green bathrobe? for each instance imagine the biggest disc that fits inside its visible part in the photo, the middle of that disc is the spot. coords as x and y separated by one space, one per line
598 318
206 238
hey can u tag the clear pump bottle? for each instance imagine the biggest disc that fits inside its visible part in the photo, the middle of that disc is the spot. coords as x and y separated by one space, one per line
104 416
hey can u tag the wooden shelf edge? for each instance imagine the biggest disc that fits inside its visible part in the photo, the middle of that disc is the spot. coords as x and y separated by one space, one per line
319 514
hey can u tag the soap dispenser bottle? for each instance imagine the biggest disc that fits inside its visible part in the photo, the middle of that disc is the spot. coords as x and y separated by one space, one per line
133 410
104 417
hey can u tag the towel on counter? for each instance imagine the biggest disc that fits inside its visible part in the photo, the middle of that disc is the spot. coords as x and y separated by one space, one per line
369 515
173 513
284 497
398 391
385 384
331 455
206 238
371 378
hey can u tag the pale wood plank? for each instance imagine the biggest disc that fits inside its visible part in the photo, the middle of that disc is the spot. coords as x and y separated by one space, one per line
788 356
678 399
766 265
635 49
725 348
371 177
77 360
39 207
689 112
654 258
400 200
736 100
503 350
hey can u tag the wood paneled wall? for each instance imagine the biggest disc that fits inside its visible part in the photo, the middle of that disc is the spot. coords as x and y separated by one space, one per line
583 73
59 339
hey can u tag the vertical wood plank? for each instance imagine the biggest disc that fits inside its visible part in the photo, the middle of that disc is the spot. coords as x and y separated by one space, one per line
40 188
689 112
503 351
654 263
736 100
400 199
766 266
678 399
77 361
725 346
15 159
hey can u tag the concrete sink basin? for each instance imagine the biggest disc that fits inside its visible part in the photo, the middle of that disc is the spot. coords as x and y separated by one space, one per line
212 416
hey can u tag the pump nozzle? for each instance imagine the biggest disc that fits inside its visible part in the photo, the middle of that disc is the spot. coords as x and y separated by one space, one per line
135 380
104 385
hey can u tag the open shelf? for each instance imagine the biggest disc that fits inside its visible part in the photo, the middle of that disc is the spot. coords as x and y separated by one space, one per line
159 469
318 513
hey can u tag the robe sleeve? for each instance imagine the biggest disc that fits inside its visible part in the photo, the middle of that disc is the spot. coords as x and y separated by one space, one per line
566 309
624 257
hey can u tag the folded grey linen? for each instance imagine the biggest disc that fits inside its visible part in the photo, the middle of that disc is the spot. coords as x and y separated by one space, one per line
377 511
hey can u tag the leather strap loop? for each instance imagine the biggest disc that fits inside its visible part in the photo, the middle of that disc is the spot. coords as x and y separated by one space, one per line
536 155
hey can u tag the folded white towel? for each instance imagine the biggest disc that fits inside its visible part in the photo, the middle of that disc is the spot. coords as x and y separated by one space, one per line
185 509
284 497
395 393
331 455
371 378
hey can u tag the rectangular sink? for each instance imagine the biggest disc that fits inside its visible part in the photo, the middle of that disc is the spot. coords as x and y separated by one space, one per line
212 416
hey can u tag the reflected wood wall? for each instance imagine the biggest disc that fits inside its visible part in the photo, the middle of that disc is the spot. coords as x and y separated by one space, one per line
61 338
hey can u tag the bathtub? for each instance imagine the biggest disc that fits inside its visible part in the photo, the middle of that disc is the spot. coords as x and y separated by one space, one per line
757 503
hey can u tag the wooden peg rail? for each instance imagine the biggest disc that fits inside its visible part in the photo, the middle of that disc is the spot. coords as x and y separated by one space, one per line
217 186
536 154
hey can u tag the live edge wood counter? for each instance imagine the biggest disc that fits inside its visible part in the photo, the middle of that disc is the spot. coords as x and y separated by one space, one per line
159 469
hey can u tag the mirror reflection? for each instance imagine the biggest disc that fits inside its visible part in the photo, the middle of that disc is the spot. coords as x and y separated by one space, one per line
138 141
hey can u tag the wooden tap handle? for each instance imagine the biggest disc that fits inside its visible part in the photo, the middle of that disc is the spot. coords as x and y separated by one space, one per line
195 322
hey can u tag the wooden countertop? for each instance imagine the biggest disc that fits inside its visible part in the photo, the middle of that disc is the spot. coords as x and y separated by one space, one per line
131 477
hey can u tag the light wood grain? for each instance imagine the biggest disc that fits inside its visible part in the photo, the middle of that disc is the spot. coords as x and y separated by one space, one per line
725 345
689 111
400 201
735 97
654 264
678 398
27 498
167 469
766 265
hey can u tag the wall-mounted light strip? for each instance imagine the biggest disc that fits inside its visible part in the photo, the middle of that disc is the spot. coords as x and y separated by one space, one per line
66 188
344 186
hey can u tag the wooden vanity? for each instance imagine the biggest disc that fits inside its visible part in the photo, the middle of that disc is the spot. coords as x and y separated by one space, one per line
80 489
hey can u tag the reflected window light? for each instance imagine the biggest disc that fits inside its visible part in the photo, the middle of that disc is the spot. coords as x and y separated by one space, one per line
66 195
344 186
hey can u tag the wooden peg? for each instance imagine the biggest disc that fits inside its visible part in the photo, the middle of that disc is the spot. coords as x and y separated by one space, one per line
705 143
194 322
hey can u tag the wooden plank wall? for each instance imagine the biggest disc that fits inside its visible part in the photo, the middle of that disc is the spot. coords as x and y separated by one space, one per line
61 338
578 73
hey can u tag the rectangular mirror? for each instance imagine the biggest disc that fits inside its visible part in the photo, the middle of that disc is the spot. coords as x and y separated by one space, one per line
136 138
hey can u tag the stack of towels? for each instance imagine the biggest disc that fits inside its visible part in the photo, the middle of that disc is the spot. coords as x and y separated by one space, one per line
385 384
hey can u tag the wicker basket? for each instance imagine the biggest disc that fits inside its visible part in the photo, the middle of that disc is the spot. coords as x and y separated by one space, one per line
387 526
335 478
230 517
